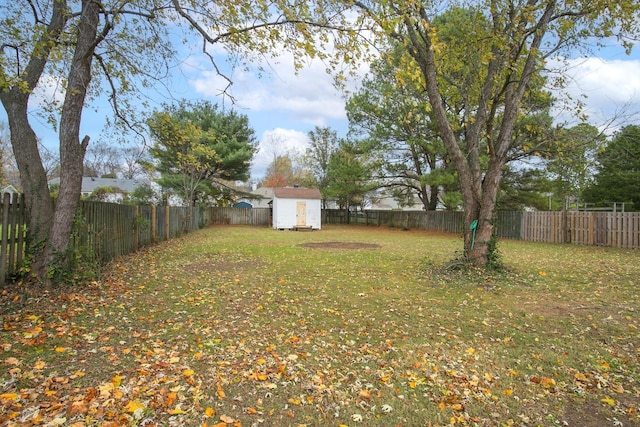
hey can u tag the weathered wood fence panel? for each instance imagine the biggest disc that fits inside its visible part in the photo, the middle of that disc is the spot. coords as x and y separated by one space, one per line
112 230
614 229
13 234
452 222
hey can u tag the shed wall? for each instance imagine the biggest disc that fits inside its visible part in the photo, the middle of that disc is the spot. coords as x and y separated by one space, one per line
285 210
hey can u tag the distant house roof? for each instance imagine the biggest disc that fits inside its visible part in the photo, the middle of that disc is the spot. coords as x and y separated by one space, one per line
263 192
297 193
9 189
126 185
90 184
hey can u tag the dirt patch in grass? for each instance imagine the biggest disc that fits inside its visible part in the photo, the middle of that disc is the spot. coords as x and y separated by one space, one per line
340 245
588 414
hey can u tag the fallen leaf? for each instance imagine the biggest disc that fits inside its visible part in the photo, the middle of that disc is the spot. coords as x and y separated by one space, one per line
133 406
220 392
609 401
227 419
9 396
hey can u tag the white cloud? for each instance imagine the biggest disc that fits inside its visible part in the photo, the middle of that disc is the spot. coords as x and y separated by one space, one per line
307 97
605 87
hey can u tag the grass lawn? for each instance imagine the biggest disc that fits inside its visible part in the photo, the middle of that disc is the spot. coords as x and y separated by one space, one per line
348 326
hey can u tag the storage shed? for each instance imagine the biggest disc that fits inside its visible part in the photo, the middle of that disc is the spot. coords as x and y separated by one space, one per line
296 209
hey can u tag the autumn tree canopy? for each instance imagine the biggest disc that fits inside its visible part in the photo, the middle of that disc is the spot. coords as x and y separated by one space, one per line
489 61
197 147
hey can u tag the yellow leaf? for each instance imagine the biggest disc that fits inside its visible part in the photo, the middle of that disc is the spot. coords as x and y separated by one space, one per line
609 401
220 391
116 381
61 349
209 412
40 364
176 411
133 406
412 384
294 401
581 377
547 382
9 396
188 372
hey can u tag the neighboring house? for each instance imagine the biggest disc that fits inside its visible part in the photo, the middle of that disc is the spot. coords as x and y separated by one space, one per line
9 189
116 188
389 203
296 208
259 198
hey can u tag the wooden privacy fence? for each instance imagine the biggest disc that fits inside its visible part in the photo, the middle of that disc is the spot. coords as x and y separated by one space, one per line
111 230
452 222
614 229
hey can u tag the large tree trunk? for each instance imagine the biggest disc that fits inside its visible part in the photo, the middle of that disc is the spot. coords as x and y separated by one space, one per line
33 177
476 239
24 142
72 151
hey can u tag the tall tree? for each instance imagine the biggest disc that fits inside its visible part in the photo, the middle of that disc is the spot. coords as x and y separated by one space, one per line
323 142
572 160
113 47
349 176
489 64
197 147
102 159
284 171
618 171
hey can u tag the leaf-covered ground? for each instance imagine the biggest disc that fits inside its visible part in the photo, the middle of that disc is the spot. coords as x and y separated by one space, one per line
240 326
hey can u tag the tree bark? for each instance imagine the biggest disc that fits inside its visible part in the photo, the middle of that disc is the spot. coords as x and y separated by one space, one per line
39 205
72 150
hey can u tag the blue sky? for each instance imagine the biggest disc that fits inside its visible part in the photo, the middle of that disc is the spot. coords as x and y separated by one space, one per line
283 106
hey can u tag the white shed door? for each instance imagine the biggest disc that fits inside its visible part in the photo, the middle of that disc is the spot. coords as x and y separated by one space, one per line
301 213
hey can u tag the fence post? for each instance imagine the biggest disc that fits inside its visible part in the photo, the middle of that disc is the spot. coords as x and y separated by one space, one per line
5 228
166 221
136 227
153 223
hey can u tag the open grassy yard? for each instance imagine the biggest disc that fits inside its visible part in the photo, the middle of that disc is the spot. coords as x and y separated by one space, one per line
348 326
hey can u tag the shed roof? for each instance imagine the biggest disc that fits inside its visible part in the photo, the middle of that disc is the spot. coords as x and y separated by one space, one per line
297 193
